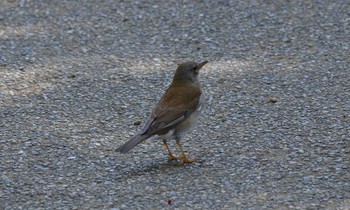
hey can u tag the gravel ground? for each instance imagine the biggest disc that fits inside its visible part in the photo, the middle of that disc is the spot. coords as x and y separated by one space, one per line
77 76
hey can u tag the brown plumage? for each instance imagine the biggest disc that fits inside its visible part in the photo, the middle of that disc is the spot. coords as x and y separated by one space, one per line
175 111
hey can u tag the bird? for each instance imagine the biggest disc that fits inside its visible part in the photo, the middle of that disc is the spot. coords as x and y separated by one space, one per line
175 112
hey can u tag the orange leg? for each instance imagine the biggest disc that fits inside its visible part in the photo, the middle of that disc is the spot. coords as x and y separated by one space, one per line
171 156
184 158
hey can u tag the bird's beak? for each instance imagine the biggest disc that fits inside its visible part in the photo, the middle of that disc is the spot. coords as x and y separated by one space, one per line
199 66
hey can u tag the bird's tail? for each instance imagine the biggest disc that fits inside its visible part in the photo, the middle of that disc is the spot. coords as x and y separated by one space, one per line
132 143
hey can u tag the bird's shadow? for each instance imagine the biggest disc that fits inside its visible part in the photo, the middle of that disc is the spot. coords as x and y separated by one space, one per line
157 167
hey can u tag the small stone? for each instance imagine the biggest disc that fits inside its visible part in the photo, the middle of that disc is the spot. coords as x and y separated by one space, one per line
72 76
273 99
137 122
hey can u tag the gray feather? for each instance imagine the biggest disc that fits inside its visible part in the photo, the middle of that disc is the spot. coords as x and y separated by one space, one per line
132 143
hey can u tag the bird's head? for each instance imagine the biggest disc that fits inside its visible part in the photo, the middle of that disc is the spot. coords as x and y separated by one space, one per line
188 71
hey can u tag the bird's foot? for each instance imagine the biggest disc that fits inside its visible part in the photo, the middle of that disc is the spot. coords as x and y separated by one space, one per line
185 160
172 157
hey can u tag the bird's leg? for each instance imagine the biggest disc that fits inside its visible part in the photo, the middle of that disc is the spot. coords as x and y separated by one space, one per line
171 156
184 158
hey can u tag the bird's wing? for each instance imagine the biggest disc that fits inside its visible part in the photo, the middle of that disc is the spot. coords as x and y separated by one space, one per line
175 106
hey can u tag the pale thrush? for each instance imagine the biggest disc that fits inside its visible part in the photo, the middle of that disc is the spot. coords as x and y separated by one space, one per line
175 112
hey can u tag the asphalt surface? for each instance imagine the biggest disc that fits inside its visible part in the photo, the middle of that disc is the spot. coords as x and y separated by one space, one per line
77 78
